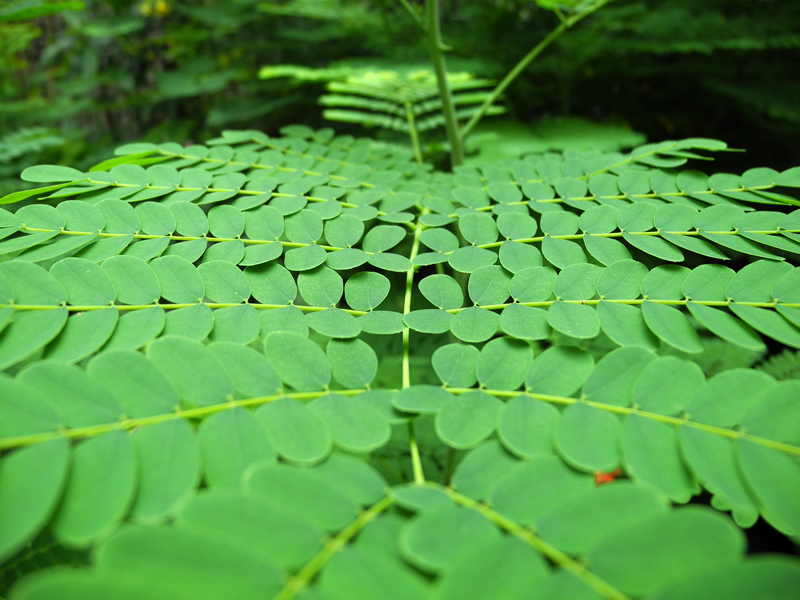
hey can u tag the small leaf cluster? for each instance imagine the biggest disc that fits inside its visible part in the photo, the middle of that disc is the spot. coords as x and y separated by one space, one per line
192 342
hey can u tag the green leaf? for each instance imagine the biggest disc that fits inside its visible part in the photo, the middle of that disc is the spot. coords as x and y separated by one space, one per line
287 318
475 324
726 326
614 378
28 332
135 381
271 284
84 282
560 222
526 427
773 414
575 320
136 328
120 217
667 385
238 323
421 399
525 322
190 220
442 291
588 438
320 287
83 334
250 523
155 218
456 365
31 284
562 253
103 476
354 363
470 258
726 397
366 290
31 480
435 540
304 227
478 228
299 362
712 460
169 469
489 285
298 435
533 284
258 254
650 454
503 363
224 282
192 369
304 259
303 494
515 256
253 376
582 524
465 421
344 231
231 441
333 322
134 280
622 280
264 223
538 487
388 261
769 323
693 540
439 240
774 478
382 238
355 424
80 401
577 282
606 250
184 563
51 173
559 371
768 576
654 246
382 322
483 468
505 568
672 327
755 282
359 574
180 281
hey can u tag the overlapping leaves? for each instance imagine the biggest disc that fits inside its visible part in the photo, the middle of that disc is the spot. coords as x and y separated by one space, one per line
188 340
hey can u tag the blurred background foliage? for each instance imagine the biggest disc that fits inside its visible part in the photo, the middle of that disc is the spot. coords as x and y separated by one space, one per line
78 78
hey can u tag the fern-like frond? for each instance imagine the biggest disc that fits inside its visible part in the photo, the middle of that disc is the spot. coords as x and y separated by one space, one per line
192 346
27 141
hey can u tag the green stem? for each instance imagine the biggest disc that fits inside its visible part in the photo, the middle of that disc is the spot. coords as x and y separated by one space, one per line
414 15
302 578
683 421
605 589
448 109
412 131
416 462
520 66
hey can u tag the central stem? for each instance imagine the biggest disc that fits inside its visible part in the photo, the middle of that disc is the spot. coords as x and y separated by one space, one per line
419 476
437 56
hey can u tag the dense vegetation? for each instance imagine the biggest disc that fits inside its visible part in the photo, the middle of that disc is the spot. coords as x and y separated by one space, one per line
543 360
